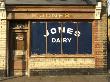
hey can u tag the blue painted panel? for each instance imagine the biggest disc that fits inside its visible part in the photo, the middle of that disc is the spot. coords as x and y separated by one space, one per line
54 38
38 41
85 39
69 40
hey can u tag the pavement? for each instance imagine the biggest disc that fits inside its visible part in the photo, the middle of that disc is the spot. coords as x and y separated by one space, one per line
68 78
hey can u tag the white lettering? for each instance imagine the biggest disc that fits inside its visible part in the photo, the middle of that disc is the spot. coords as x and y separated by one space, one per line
47 33
53 40
69 39
61 30
57 40
64 40
53 30
69 30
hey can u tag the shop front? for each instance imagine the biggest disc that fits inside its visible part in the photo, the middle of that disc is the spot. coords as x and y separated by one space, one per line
52 36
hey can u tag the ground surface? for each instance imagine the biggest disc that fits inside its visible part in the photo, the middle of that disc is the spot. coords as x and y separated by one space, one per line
68 78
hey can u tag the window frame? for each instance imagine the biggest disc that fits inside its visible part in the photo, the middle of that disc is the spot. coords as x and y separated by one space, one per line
66 55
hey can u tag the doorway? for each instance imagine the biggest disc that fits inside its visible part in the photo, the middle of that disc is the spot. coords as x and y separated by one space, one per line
17 52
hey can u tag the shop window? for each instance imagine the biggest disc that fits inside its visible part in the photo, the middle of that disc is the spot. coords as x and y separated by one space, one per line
61 38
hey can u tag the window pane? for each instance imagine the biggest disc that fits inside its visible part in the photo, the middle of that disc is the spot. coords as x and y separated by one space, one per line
38 40
54 38
85 39
69 40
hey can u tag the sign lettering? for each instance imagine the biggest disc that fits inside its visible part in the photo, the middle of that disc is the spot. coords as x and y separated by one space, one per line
54 15
58 40
61 30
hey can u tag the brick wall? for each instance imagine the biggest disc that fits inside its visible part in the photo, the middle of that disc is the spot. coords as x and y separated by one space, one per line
55 63
100 39
3 32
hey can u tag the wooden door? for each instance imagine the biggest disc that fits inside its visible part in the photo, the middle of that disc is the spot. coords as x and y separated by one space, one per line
18 53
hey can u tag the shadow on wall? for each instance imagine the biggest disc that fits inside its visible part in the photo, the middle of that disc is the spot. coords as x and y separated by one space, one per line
108 54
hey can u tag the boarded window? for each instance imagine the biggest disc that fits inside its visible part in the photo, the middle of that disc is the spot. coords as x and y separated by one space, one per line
85 40
69 39
38 41
61 38
54 38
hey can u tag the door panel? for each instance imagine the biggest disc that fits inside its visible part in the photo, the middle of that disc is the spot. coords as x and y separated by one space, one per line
18 52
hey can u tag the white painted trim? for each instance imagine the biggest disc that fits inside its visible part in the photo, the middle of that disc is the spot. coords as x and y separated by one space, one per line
98 10
2 5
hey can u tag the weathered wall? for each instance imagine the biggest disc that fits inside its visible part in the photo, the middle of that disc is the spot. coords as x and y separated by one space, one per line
100 38
3 32
55 63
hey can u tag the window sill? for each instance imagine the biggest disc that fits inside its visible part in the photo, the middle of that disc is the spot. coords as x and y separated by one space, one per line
64 56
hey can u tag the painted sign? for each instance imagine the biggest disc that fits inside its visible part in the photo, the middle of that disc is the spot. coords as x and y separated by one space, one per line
59 30
52 15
